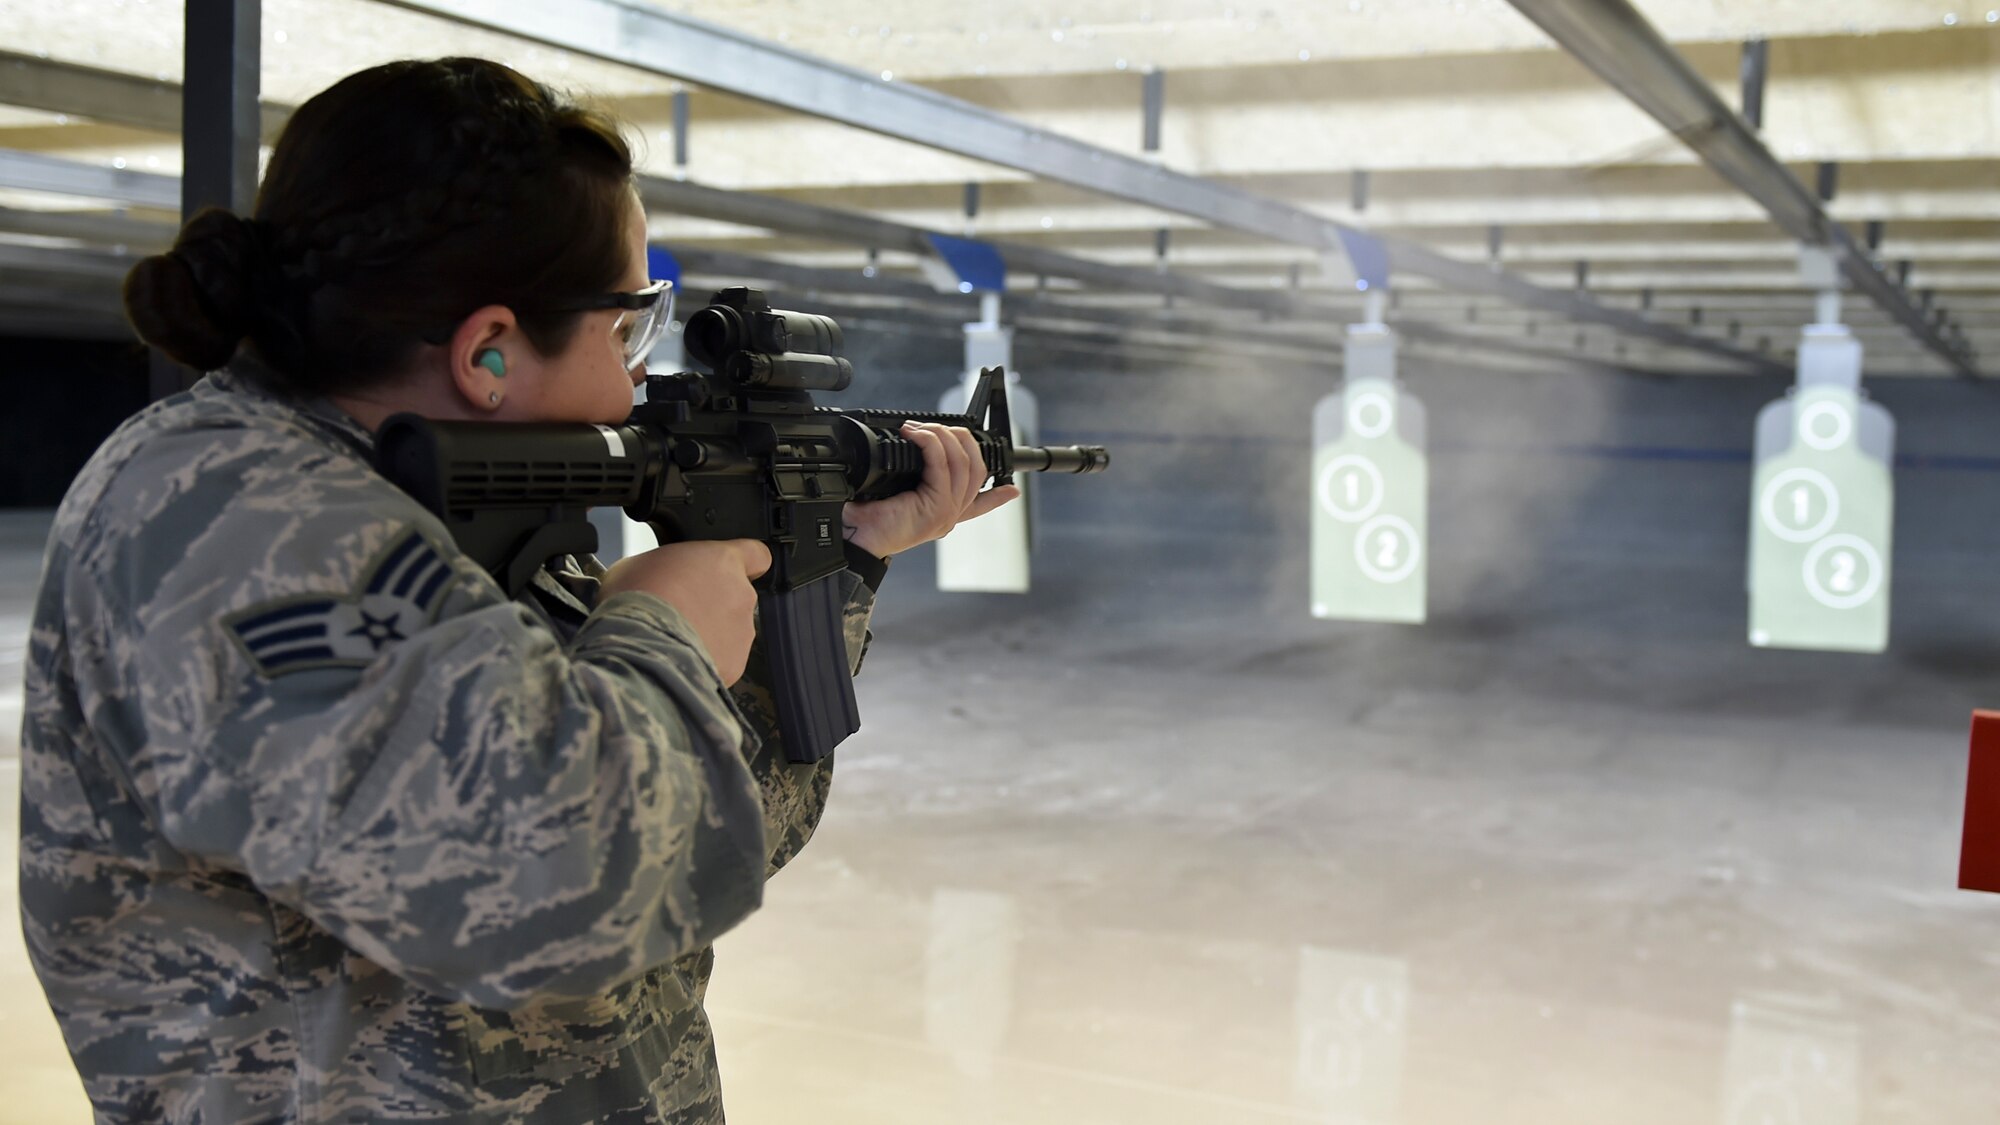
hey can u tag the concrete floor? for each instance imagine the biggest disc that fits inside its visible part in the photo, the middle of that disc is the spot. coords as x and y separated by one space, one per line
1150 846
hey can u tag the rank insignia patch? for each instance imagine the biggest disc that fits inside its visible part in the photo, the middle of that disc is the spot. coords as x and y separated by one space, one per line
400 591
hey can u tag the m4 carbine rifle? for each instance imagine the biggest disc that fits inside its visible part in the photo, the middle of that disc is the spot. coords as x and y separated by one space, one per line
743 453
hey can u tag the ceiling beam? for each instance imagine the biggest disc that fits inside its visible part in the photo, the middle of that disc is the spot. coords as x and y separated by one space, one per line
88 226
95 265
1036 314
661 42
1015 306
35 172
61 325
1534 109
28 171
650 39
810 220
43 173
84 283
104 95
1613 39
1040 39
151 104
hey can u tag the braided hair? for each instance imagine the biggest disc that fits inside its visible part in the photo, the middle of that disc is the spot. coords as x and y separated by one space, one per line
396 203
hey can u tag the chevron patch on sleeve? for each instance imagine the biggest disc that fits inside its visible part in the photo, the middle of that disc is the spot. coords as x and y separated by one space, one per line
400 593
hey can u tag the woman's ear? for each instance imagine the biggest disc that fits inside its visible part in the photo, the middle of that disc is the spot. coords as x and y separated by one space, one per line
478 357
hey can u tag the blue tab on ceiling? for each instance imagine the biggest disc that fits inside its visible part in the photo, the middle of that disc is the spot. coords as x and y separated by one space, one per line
978 265
1369 258
661 265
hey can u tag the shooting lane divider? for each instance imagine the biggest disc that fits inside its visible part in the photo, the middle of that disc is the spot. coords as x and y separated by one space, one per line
1979 853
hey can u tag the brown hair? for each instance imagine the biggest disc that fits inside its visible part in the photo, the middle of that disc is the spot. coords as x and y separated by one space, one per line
397 201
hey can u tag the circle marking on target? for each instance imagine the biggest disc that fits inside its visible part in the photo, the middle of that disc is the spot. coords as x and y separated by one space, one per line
1774 493
1384 414
1825 441
1833 599
1366 549
1359 508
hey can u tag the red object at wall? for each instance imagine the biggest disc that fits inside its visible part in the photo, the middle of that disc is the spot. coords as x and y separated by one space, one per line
1979 857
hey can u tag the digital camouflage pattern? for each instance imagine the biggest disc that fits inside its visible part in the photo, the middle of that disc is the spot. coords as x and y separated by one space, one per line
318 826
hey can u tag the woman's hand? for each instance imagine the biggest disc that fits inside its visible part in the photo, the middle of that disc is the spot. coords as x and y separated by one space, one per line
709 583
954 473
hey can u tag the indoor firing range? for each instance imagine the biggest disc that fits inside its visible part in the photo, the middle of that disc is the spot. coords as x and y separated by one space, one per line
1516 667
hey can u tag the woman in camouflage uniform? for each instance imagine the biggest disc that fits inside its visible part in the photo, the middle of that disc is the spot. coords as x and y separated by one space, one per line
317 824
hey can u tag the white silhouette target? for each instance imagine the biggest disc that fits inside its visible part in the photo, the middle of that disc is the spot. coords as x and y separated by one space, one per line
1843 571
1790 501
1370 414
1350 488
1386 549
1825 426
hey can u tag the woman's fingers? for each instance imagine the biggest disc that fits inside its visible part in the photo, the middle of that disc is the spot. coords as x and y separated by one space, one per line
989 500
952 491
756 557
937 463
958 473
961 468
954 475
968 467
975 468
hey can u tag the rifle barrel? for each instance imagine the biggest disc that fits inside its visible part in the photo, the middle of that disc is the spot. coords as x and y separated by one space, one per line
1061 459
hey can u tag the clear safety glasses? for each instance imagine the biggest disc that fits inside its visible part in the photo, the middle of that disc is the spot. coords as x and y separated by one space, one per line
643 317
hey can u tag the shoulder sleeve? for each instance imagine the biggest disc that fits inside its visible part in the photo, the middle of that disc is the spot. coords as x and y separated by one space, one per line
310 684
794 794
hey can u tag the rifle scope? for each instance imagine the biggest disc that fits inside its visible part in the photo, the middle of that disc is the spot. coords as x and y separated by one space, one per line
740 337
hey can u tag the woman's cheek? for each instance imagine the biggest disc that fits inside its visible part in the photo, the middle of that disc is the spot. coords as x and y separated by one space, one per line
618 395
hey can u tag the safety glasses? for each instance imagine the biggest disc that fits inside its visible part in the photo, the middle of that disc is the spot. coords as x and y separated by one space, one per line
643 317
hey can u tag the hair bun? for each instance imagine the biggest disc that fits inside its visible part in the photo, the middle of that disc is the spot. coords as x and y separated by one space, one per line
199 300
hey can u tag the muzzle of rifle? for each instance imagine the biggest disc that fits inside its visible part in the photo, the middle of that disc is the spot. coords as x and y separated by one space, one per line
1061 459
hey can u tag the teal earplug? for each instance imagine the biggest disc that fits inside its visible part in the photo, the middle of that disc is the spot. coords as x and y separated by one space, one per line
492 361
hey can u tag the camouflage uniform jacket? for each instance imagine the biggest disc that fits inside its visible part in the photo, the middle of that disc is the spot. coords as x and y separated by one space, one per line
317 825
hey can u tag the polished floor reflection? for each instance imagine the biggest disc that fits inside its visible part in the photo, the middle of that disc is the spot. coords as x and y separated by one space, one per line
1167 869
1374 944
1159 868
